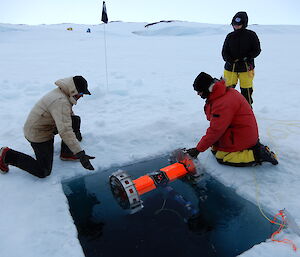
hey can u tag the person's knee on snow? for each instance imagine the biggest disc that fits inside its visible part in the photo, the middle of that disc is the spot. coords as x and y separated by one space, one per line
40 167
233 129
43 173
57 118
239 159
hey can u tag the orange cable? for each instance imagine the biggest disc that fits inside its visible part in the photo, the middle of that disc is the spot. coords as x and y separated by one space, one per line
281 226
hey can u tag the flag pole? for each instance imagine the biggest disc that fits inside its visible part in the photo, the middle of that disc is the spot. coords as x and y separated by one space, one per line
105 54
105 20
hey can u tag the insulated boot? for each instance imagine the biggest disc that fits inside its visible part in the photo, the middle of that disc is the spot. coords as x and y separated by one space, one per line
268 156
263 153
3 166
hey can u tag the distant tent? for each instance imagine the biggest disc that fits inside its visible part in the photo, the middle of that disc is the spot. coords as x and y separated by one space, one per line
70 28
88 30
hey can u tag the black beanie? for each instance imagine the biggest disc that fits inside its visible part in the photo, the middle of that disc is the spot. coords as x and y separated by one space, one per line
240 18
81 85
202 82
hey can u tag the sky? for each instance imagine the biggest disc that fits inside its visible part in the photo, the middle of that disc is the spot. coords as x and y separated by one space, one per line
35 12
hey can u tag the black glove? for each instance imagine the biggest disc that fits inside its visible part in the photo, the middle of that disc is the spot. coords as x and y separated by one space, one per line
85 160
193 152
246 59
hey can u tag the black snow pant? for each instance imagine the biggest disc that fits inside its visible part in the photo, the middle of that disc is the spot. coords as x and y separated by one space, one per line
41 166
247 93
76 121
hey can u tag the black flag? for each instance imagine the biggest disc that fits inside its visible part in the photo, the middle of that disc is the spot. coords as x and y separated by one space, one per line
104 13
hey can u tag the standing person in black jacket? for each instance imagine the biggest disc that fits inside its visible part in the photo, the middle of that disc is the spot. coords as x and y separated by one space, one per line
239 50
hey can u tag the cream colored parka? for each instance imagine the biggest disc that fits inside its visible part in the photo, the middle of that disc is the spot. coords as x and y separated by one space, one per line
53 111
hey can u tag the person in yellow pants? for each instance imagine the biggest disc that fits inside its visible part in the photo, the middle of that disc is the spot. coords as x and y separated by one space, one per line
249 157
246 82
239 159
232 132
239 50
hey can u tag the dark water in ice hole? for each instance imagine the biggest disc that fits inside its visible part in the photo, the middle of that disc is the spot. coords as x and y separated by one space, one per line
226 224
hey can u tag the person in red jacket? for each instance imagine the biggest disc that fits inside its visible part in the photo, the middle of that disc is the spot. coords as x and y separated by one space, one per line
233 132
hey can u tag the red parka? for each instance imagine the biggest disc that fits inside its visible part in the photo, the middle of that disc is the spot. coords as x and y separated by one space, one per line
233 125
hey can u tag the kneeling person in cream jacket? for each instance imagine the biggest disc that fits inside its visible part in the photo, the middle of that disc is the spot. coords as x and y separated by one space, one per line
51 114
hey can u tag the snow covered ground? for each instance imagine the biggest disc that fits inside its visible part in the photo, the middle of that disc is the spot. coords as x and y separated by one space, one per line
149 108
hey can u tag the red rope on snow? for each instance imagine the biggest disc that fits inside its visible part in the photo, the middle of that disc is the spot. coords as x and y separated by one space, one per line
281 226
